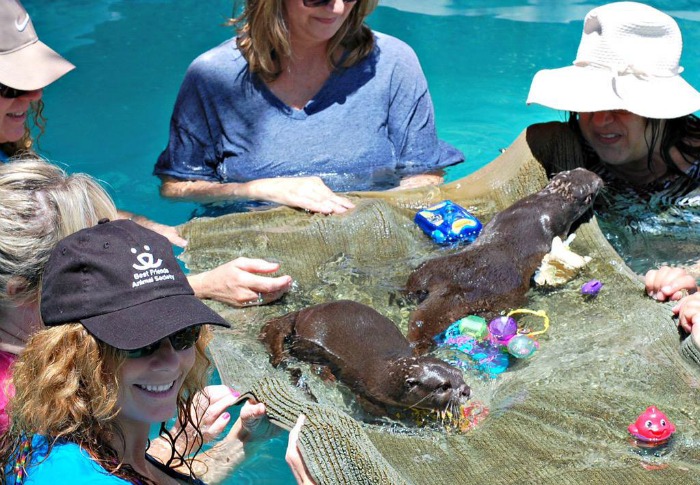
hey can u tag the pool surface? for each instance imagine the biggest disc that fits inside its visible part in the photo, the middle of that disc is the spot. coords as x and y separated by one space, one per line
110 116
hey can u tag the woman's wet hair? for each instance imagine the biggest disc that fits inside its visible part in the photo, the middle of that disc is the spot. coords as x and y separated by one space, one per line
263 36
41 204
66 388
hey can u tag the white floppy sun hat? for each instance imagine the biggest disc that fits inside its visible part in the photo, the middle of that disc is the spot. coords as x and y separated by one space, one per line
628 59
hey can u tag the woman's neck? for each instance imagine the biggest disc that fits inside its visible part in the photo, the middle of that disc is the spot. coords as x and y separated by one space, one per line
303 75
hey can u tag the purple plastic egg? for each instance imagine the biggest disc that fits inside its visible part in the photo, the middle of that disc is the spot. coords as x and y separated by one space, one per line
502 328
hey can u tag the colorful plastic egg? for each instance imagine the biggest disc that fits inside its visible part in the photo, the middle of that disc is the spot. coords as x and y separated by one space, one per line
502 329
474 326
652 426
521 346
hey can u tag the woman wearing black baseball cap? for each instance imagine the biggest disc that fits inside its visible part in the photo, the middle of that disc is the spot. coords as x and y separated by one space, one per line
124 349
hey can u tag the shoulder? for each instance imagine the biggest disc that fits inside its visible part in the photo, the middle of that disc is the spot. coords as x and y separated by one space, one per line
65 460
396 59
224 55
391 45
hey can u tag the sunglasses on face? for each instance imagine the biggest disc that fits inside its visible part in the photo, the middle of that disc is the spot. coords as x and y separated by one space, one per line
182 340
9 93
322 3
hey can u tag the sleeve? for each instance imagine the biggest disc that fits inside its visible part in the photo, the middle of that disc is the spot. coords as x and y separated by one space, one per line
190 154
68 464
412 120
690 350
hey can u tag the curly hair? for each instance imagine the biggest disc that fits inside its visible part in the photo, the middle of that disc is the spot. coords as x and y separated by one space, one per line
25 145
65 383
681 133
263 36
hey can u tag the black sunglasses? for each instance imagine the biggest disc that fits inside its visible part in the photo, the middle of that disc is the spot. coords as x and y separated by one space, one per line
9 93
182 340
322 3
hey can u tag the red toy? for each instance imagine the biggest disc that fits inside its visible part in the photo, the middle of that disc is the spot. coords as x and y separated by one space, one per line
652 426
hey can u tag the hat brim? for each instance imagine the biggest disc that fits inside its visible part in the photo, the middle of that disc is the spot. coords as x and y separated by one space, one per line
149 322
32 67
589 89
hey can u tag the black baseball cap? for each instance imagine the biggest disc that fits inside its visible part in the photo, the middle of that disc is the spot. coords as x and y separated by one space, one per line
123 283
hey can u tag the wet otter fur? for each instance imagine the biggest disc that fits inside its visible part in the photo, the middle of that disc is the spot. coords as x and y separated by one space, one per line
493 273
368 353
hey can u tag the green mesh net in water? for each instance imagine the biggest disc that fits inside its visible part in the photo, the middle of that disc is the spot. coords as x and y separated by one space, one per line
560 417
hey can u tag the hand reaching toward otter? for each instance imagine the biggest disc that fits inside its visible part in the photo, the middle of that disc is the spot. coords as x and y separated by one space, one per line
240 282
668 284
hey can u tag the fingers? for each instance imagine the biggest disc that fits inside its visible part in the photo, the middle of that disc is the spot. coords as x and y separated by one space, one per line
252 265
332 204
688 311
252 414
293 456
668 283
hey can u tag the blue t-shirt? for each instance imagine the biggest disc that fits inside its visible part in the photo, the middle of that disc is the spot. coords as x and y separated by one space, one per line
369 126
68 463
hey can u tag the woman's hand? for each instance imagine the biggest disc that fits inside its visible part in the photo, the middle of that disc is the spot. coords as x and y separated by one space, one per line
309 193
688 312
668 283
239 283
209 414
294 458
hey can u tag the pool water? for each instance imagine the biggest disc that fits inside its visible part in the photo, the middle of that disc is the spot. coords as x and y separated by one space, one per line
110 116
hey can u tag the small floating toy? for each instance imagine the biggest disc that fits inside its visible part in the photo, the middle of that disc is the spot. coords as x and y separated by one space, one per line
652 426
473 326
521 346
448 222
591 288
502 329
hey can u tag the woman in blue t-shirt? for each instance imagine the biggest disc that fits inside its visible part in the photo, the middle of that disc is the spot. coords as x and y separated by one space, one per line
306 101
124 349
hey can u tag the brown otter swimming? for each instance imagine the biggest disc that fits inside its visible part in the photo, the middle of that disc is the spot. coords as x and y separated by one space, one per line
493 273
367 352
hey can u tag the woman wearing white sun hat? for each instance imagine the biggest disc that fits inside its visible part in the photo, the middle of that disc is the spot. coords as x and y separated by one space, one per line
633 113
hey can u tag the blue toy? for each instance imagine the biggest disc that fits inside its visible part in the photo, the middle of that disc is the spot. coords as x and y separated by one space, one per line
448 222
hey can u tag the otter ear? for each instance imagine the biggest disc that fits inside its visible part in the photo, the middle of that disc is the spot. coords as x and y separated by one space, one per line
411 382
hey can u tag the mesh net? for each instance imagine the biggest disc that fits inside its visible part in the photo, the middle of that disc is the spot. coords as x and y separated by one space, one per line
559 417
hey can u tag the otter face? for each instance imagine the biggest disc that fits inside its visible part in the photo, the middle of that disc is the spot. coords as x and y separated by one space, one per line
578 185
430 383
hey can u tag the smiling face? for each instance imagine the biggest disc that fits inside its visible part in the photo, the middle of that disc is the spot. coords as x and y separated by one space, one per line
618 137
13 115
149 385
315 24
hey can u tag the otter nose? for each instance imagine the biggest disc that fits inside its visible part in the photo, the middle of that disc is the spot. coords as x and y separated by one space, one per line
465 392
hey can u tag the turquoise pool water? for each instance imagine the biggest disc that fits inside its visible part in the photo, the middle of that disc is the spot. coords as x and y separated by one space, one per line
110 116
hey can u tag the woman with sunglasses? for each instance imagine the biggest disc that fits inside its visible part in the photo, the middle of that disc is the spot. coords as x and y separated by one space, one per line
123 349
304 102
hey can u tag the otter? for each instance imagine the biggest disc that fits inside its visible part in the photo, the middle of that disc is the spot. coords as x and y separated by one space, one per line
369 354
493 273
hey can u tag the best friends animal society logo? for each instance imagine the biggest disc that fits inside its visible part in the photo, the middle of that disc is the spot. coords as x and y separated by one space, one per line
149 269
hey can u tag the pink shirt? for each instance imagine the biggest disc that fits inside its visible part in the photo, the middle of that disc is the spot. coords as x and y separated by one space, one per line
6 360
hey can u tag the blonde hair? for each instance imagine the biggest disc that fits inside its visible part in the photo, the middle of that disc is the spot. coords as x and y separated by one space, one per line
40 204
263 37
66 388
